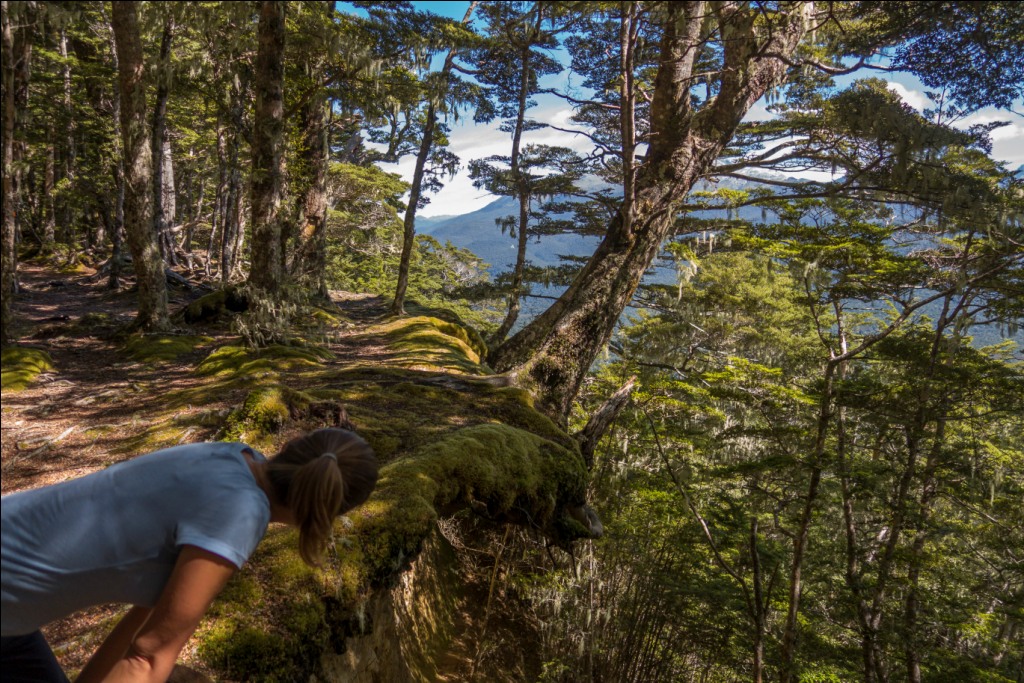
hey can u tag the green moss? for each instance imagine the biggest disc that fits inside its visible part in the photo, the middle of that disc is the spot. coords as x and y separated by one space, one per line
162 348
468 335
247 653
21 365
498 470
237 361
90 322
247 639
433 343
264 411
172 430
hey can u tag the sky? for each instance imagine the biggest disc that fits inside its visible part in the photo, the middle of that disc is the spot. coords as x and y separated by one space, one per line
474 141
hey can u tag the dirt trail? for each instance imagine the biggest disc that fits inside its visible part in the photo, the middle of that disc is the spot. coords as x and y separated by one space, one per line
76 418
65 423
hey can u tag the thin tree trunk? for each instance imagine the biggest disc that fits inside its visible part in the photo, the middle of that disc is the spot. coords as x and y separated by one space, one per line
161 145
232 217
409 223
138 168
787 668
70 151
523 194
627 111
219 199
8 258
170 196
46 201
266 271
415 190
117 171
117 230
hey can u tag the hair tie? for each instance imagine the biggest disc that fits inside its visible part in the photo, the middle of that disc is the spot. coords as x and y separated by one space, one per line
332 456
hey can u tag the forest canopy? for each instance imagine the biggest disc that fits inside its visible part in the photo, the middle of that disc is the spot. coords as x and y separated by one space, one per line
803 433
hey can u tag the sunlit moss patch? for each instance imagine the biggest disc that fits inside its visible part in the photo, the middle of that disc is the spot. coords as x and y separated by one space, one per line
162 348
21 365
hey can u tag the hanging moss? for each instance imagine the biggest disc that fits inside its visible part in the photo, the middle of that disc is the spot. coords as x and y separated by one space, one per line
21 365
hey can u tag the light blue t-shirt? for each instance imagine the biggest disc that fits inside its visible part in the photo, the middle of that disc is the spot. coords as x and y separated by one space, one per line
114 535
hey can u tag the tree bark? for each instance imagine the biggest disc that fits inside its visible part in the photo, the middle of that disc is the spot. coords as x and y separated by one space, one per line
309 263
17 52
70 151
553 354
267 266
8 259
138 169
160 142
409 223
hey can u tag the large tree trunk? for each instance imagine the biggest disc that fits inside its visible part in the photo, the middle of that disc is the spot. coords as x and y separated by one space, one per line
553 353
309 263
17 51
267 267
9 262
138 169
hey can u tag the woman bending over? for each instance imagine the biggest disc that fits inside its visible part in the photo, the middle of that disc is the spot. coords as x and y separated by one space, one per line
163 532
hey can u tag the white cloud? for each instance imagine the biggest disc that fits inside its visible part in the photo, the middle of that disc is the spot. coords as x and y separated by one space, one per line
475 141
915 99
1007 141
471 140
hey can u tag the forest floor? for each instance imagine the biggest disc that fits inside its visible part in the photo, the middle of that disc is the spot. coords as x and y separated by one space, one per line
80 416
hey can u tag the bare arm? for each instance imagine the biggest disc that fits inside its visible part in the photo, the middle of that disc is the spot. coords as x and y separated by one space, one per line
116 644
197 578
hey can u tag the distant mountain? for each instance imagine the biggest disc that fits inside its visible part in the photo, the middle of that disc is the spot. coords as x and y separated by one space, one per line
478 232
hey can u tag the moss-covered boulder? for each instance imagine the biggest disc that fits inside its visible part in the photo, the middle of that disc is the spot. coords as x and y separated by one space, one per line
452 439
21 365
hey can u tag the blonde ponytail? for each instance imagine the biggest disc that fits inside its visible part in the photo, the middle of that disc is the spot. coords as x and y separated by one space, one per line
318 477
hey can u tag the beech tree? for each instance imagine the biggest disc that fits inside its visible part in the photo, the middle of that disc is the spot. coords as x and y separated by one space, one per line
554 352
17 50
716 60
510 64
267 253
138 169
